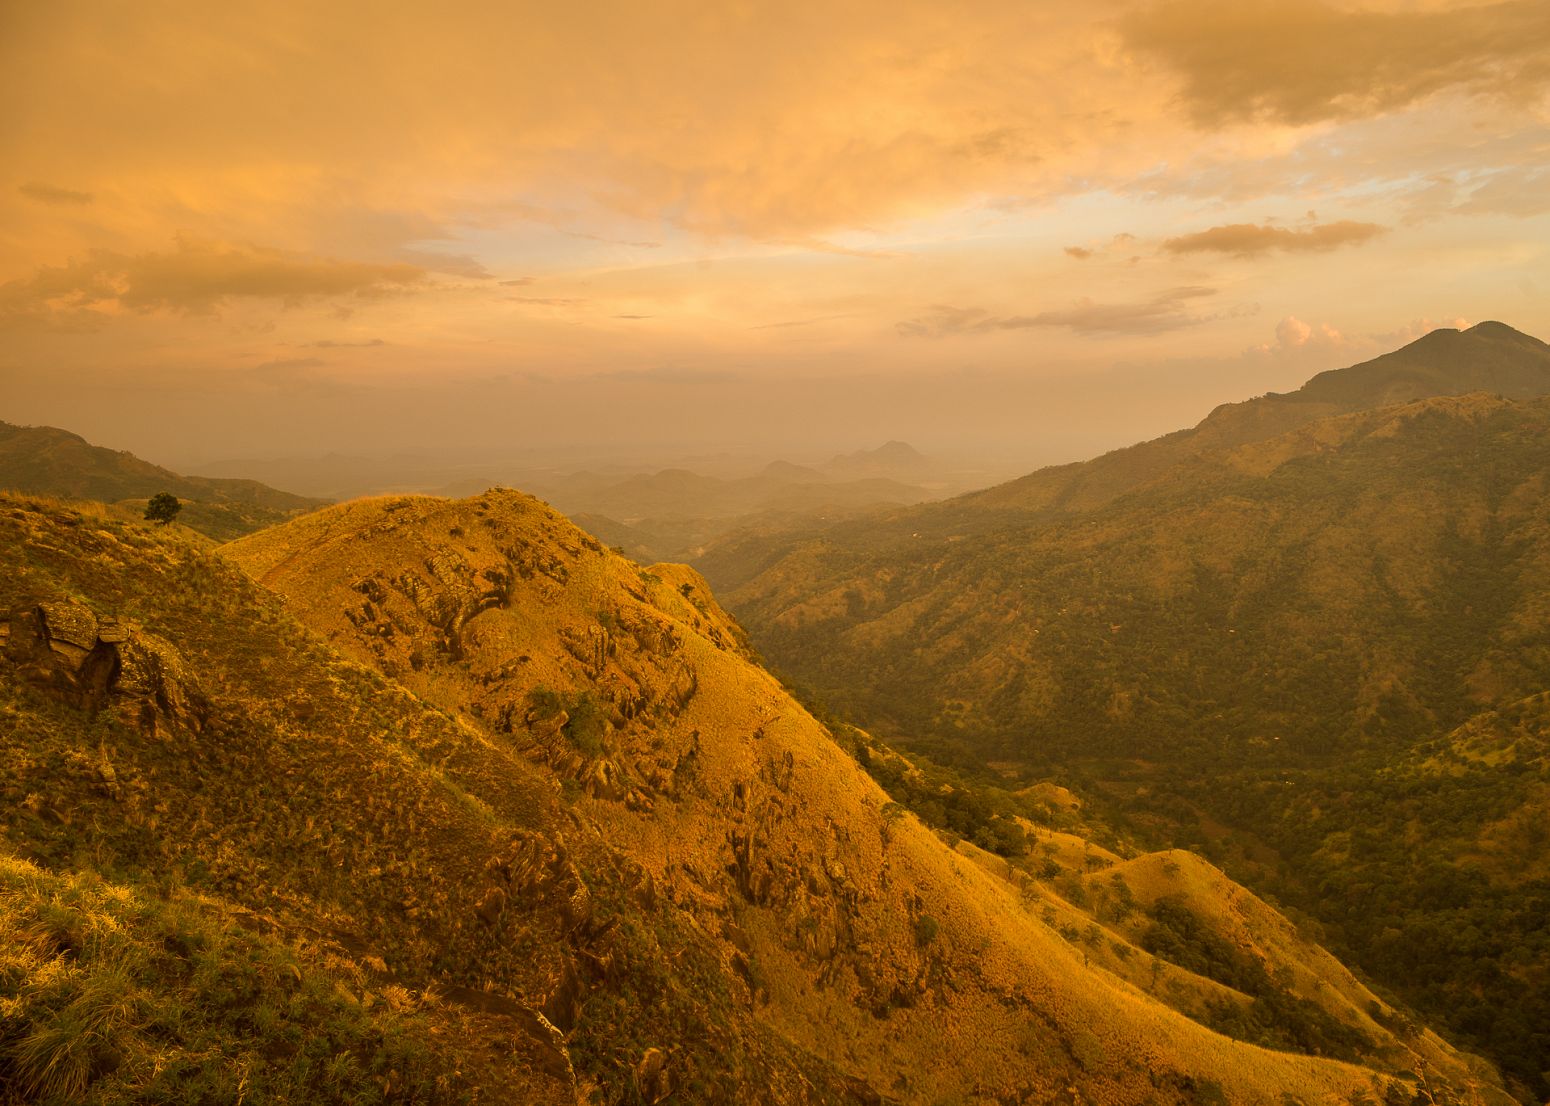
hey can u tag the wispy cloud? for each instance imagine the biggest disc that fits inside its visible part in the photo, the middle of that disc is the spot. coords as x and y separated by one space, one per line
1168 310
788 323
194 278
546 301
51 194
1303 61
1249 240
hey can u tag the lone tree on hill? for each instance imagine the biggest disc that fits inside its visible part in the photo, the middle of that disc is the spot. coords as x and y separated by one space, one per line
163 508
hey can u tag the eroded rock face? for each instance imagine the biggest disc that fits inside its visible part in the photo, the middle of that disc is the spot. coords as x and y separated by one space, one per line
102 662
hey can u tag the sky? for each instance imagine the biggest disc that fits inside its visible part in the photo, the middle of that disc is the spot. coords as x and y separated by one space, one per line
1029 231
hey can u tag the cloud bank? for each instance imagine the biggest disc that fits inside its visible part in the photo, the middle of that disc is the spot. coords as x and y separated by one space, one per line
1248 240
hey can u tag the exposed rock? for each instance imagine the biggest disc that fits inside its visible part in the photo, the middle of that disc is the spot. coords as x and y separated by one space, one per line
546 1044
563 1006
104 662
492 906
863 1092
651 1077
69 629
153 674
603 779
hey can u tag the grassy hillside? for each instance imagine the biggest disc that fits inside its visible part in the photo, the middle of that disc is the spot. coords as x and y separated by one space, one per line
1240 649
860 936
518 819
168 728
43 460
108 993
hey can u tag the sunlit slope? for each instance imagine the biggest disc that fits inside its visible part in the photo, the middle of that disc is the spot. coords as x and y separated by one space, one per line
1261 635
165 724
852 931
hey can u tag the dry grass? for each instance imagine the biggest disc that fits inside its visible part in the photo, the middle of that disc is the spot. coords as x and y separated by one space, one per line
828 901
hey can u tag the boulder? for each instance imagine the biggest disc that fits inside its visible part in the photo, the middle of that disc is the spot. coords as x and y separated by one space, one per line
103 662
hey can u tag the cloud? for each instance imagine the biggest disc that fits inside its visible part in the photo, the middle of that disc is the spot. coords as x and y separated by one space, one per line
1081 253
1166 311
788 323
50 194
437 261
1302 61
1523 191
641 244
1418 328
1249 240
546 301
329 343
1299 341
287 365
775 122
195 278
515 283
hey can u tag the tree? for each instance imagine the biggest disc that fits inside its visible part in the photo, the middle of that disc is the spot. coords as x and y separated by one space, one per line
163 508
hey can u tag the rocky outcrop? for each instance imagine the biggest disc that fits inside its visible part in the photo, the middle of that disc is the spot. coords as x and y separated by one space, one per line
100 662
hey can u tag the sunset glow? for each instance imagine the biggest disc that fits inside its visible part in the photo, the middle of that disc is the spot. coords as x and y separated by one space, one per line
1027 230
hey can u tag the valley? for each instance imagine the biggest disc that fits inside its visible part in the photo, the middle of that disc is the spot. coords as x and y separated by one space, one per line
1272 636
531 812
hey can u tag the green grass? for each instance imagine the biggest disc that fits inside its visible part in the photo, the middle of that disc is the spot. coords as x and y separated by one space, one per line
110 995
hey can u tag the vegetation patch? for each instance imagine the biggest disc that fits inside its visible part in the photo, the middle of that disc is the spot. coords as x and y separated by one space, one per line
107 996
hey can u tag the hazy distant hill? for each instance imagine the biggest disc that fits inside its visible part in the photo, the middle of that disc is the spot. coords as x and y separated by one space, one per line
892 460
676 513
652 512
1489 357
1250 624
43 460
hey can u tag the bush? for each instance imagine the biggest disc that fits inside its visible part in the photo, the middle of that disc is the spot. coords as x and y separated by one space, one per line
162 508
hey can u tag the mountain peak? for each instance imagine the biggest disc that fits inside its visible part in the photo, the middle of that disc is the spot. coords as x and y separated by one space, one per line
892 458
1488 357
895 449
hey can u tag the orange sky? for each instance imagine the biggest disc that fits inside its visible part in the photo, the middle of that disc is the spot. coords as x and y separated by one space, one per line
1028 229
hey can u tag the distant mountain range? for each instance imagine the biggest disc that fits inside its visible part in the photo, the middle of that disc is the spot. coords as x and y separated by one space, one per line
1241 631
44 460
653 513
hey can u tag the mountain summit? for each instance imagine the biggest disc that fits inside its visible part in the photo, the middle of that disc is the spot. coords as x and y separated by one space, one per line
1488 357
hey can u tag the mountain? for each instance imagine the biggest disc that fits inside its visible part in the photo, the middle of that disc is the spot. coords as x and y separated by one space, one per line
850 931
681 494
675 513
1238 634
1488 357
892 460
43 460
511 818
